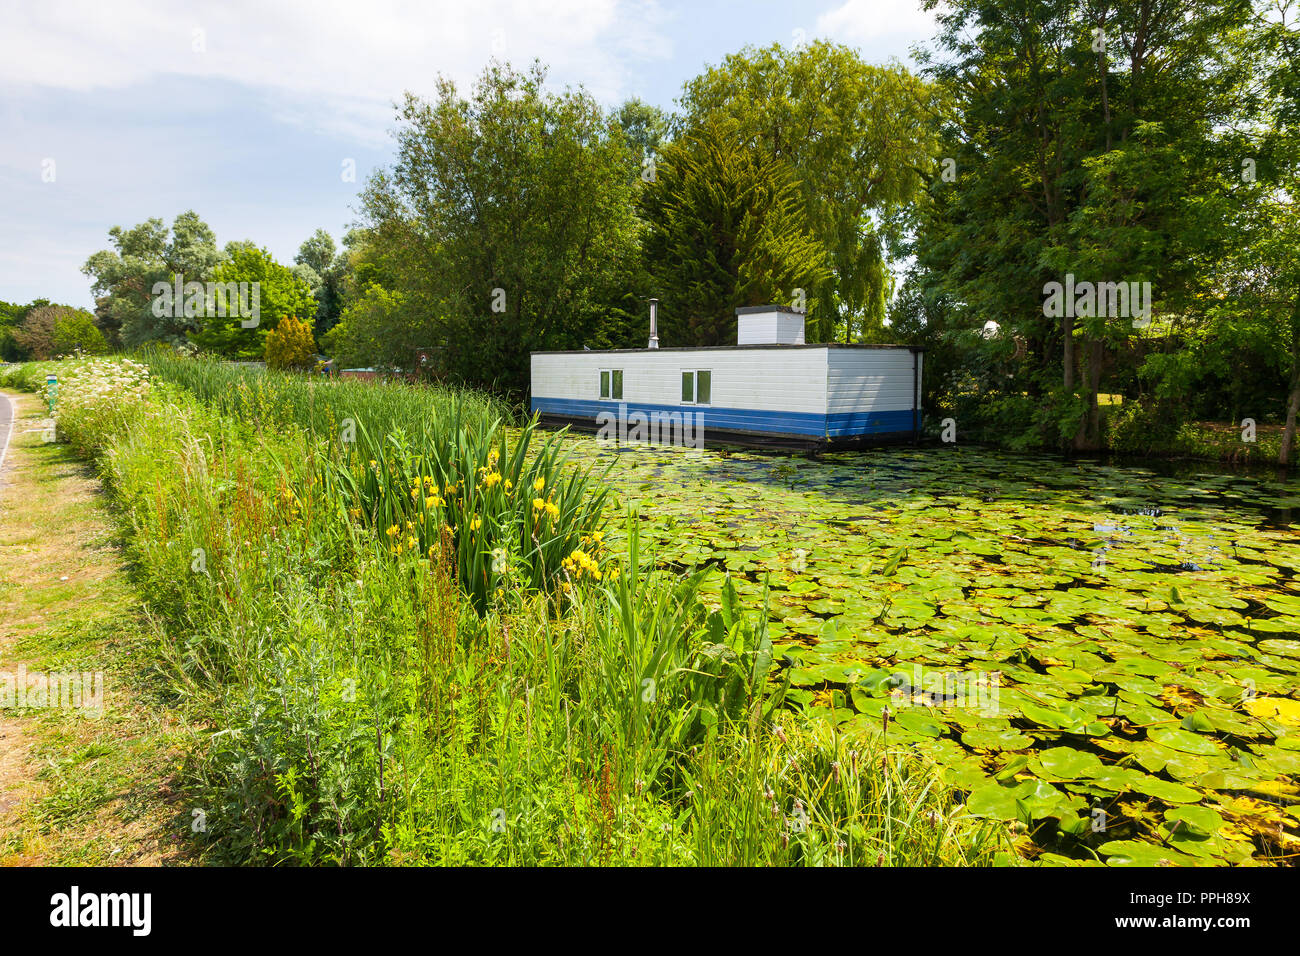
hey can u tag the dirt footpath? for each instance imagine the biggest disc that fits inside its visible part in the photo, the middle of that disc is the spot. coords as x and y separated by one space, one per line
79 784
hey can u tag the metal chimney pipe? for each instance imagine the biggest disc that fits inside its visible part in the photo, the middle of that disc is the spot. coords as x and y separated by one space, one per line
654 324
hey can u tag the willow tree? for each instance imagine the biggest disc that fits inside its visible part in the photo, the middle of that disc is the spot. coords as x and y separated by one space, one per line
725 227
860 139
123 278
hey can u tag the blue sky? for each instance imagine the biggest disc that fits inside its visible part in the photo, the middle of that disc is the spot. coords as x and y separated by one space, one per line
115 111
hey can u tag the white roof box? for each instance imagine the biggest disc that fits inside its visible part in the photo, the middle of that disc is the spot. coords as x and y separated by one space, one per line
769 325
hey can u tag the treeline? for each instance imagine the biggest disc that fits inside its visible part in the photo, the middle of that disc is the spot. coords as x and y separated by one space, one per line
1085 211
518 218
1089 149
43 329
176 286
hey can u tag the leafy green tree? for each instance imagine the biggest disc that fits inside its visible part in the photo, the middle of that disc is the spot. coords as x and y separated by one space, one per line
1085 138
725 227
375 326
77 332
318 252
1253 330
319 257
375 329
646 129
506 225
273 287
52 330
861 140
11 318
366 263
922 316
123 278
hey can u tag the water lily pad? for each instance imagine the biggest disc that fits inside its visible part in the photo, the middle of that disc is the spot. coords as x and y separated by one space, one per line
1282 709
993 801
1165 790
1065 763
920 722
1133 853
1187 742
1065 717
1201 819
1147 665
1116 779
996 739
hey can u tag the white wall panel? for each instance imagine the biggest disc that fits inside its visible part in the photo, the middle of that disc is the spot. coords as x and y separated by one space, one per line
770 379
869 380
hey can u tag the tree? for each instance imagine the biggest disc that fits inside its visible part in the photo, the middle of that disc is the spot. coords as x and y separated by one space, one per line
35 336
1257 280
725 228
318 257
51 330
123 278
11 318
646 129
77 332
273 288
1085 140
506 225
375 325
860 140
373 330
290 345
317 252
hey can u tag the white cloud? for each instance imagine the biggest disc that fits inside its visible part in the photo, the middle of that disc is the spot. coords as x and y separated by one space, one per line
332 64
865 22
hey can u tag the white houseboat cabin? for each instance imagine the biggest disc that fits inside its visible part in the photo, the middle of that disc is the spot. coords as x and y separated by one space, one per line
770 387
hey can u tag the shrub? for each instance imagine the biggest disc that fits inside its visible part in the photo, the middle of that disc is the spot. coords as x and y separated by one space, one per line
1140 427
291 345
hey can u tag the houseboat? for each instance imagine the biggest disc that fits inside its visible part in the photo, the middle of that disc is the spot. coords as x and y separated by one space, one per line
771 387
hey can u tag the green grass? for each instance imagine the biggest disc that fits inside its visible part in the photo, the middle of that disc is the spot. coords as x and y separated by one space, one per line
321 406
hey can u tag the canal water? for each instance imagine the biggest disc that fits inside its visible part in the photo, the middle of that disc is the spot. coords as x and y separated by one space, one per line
1140 623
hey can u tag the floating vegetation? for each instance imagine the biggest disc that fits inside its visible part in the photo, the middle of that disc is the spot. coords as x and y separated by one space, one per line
1139 632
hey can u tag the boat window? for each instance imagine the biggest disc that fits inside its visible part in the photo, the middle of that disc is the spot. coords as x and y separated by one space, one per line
697 387
611 383
703 387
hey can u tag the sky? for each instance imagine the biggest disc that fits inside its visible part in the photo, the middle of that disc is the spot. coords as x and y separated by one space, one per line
267 116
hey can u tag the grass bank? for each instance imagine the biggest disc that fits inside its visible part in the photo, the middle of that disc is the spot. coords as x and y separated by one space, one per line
411 646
